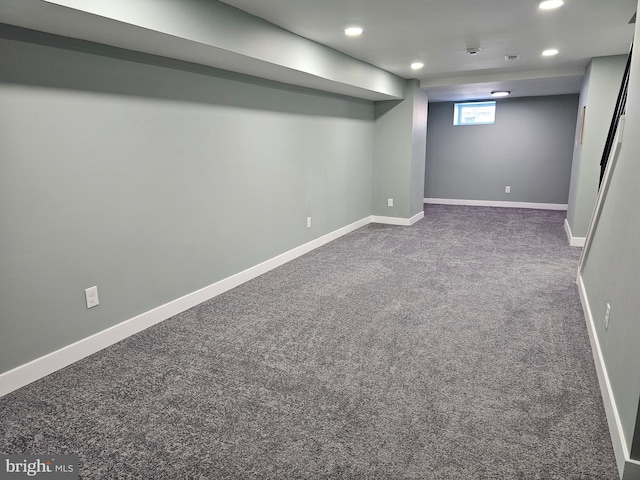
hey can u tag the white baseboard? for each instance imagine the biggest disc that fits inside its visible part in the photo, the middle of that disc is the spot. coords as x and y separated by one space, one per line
47 364
416 218
573 241
406 222
391 220
492 203
627 468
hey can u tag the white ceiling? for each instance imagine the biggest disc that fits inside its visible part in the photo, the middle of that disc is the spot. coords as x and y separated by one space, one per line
438 32
204 32
396 33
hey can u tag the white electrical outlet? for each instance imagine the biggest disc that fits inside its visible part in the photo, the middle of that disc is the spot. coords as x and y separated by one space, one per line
308 222
389 202
91 294
507 189
607 315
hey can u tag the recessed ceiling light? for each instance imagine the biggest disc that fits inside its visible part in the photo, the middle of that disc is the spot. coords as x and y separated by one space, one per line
551 4
417 65
353 31
550 53
501 93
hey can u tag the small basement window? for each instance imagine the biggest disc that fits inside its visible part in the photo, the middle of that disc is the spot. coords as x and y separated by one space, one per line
474 113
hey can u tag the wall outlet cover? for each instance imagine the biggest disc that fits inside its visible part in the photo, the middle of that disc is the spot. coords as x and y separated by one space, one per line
91 295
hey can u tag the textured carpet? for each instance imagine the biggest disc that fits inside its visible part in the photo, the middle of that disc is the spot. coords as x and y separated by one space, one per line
453 349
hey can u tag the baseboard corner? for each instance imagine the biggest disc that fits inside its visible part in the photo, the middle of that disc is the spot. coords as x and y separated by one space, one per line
573 241
416 218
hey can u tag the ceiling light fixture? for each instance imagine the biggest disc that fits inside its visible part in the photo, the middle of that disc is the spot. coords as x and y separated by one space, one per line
501 93
353 31
551 4
417 65
550 53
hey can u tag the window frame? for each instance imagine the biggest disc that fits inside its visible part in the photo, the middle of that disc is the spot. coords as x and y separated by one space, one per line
458 110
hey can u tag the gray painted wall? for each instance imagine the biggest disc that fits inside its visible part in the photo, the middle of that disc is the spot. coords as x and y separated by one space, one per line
419 149
612 271
529 148
152 179
599 93
400 143
392 142
204 31
577 157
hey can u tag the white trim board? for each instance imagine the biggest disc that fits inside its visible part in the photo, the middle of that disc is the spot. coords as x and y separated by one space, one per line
406 222
627 468
573 241
493 203
602 193
47 364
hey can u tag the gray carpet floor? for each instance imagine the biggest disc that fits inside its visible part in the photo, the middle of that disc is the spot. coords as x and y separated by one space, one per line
453 349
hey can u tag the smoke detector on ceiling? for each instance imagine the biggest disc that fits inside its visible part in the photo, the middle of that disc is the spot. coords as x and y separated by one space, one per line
511 58
473 50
